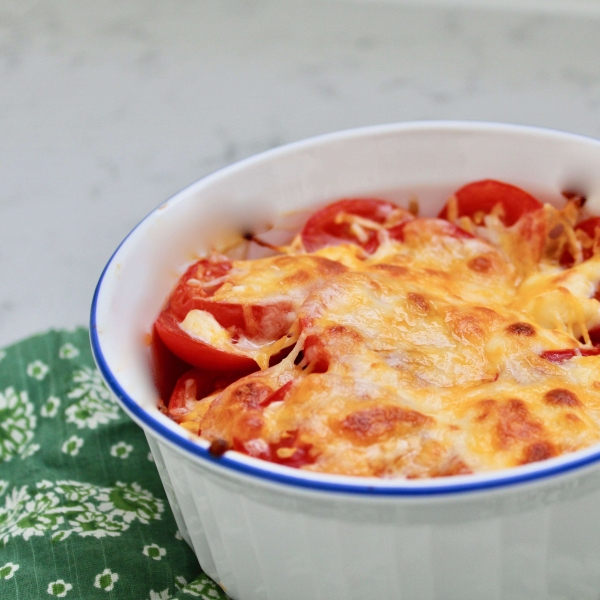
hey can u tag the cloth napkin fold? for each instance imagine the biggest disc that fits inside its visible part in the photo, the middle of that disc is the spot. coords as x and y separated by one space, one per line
83 514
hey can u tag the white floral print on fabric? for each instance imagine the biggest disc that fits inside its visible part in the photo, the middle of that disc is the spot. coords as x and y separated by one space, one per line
95 524
68 351
94 405
2 355
69 507
8 570
39 515
164 595
37 369
154 551
72 445
59 588
31 449
204 588
106 580
17 423
131 502
14 504
121 450
3 486
50 407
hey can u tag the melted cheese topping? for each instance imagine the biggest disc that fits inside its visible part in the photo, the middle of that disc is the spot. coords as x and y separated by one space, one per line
423 359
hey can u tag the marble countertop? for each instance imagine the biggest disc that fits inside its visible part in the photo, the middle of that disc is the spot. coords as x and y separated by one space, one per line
107 108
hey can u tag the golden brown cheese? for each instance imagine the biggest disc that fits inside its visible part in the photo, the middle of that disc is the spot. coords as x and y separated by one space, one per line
284 281
423 359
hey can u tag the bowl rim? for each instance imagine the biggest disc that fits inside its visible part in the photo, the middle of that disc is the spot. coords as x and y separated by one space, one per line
236 463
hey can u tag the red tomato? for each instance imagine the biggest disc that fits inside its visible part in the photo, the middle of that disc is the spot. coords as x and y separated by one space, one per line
262 323
186 296
301 455
269 319
595 334
322 230
277 395
483 196
195 352
436 227
315 353
166 367
560 356
298 458
196 384
589 226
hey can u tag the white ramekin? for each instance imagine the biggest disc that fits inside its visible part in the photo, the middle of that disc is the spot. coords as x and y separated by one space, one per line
265 531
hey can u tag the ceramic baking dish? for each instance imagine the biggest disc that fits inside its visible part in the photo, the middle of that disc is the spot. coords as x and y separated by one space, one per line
265 531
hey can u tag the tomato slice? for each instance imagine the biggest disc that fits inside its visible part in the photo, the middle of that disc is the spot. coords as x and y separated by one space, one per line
483 196
196 384
295 452
198 284
435 227
595 335
589 226
196 352
166 367
253 304
561 356
250 308
299 452
277 395
326 227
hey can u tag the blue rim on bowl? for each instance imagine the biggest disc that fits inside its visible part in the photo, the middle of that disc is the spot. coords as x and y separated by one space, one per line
262 470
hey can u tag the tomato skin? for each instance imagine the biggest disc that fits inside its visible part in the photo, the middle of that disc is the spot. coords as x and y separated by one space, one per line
589 226
277 395
438 227
195 352
166 367
315 353
321 229
204 383
595 335
299 458
484 195
560 356
248 320
182 393
186 297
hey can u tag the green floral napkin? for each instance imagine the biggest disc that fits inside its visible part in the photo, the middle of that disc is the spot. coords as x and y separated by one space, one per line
83 514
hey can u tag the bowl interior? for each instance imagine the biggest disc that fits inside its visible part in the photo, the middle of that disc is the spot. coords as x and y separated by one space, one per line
429 160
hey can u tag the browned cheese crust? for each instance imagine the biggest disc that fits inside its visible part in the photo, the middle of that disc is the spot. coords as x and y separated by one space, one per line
426 358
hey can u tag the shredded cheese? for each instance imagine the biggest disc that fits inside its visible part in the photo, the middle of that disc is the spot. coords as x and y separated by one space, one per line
428 357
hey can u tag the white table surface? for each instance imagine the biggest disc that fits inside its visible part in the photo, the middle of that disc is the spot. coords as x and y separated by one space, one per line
107 108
